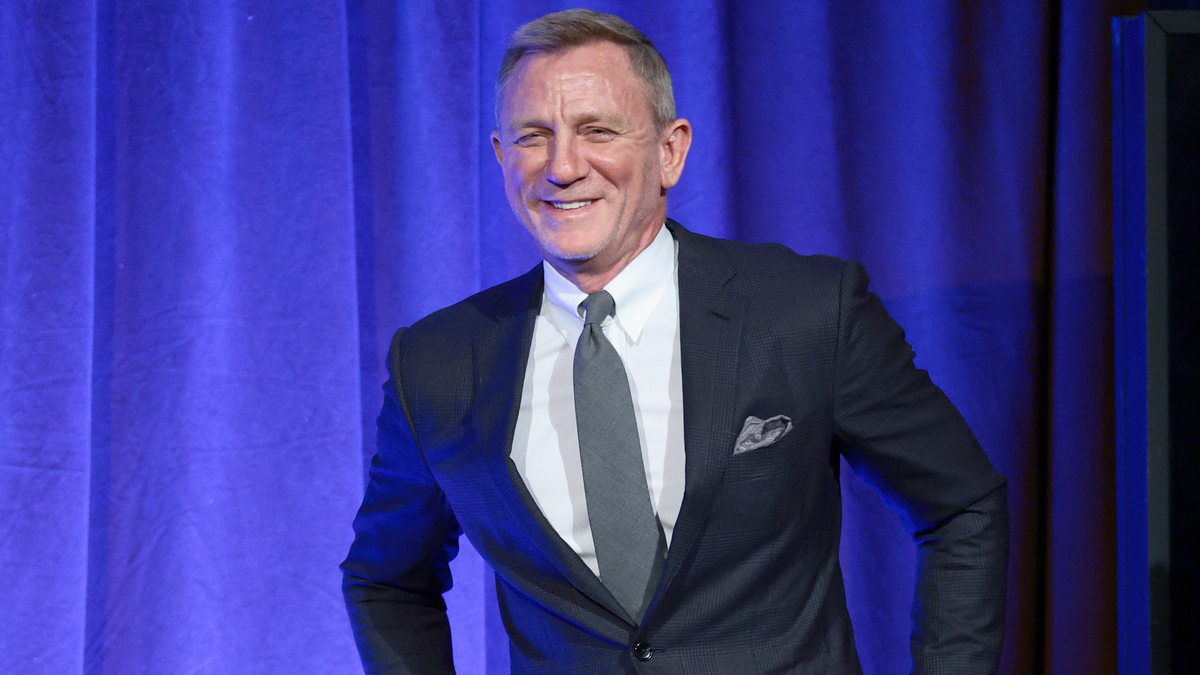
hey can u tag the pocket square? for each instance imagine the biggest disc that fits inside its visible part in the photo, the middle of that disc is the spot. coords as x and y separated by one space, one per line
757 433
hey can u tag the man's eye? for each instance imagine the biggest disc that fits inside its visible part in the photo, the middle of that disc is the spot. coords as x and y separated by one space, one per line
531 140
599 133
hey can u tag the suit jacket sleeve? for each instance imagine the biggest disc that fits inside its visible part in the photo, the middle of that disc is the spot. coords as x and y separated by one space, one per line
903 434
405 537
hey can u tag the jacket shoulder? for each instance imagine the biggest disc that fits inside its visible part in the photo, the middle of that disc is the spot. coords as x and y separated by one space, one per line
770 266
432 363
476 314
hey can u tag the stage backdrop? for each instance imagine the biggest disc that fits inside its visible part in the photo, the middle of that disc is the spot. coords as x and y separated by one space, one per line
213 215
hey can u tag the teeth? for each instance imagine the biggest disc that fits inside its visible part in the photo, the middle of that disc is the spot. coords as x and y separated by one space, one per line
570 205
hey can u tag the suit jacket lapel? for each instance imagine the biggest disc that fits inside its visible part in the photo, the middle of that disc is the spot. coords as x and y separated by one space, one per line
710 330
502 359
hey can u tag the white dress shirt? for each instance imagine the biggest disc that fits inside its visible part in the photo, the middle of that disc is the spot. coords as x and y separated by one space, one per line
645 333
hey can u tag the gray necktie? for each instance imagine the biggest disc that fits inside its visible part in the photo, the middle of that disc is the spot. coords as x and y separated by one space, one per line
629 544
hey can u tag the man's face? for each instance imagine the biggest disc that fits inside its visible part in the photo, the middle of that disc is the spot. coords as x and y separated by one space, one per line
583 165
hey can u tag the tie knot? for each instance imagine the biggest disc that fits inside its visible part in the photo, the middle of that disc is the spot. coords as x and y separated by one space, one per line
597 307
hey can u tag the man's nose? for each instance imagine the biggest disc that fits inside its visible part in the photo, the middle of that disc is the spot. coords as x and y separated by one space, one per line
565 164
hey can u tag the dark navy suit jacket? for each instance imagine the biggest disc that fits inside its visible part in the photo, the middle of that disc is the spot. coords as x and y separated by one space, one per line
751 583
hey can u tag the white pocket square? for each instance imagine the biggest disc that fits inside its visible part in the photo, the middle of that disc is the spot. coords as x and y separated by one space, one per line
757 433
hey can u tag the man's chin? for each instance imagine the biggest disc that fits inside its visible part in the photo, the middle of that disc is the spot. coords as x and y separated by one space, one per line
576 256
573 252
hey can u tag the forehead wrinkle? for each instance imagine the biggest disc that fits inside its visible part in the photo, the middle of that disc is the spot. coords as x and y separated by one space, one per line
572 96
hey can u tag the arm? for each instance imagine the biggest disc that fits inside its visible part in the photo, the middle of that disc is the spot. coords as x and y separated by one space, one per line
959 607
904 435
405 536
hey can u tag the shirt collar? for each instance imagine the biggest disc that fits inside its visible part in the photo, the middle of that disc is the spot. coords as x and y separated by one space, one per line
636 289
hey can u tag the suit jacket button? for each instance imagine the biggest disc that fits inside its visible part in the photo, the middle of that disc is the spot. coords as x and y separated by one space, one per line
642 651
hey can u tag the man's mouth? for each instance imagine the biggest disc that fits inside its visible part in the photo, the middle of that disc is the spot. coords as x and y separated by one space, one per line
567 206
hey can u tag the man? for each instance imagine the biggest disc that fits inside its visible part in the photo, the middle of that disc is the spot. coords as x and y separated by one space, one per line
642 434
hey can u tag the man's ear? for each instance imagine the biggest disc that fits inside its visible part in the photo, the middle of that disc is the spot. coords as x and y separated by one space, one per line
676 139
497 147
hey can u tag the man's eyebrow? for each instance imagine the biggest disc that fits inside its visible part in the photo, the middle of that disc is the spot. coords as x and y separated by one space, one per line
577 121
528 123
597 118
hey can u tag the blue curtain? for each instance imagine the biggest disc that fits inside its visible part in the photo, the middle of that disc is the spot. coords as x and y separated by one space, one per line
213 215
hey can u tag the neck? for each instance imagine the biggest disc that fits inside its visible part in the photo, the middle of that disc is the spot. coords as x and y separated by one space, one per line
595 273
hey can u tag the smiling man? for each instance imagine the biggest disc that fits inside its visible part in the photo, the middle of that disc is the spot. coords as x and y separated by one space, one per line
642 434
587 162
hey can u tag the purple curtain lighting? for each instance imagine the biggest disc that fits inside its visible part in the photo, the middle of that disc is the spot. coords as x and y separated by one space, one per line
213 215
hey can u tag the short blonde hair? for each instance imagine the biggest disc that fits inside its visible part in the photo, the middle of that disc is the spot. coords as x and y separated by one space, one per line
560 31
